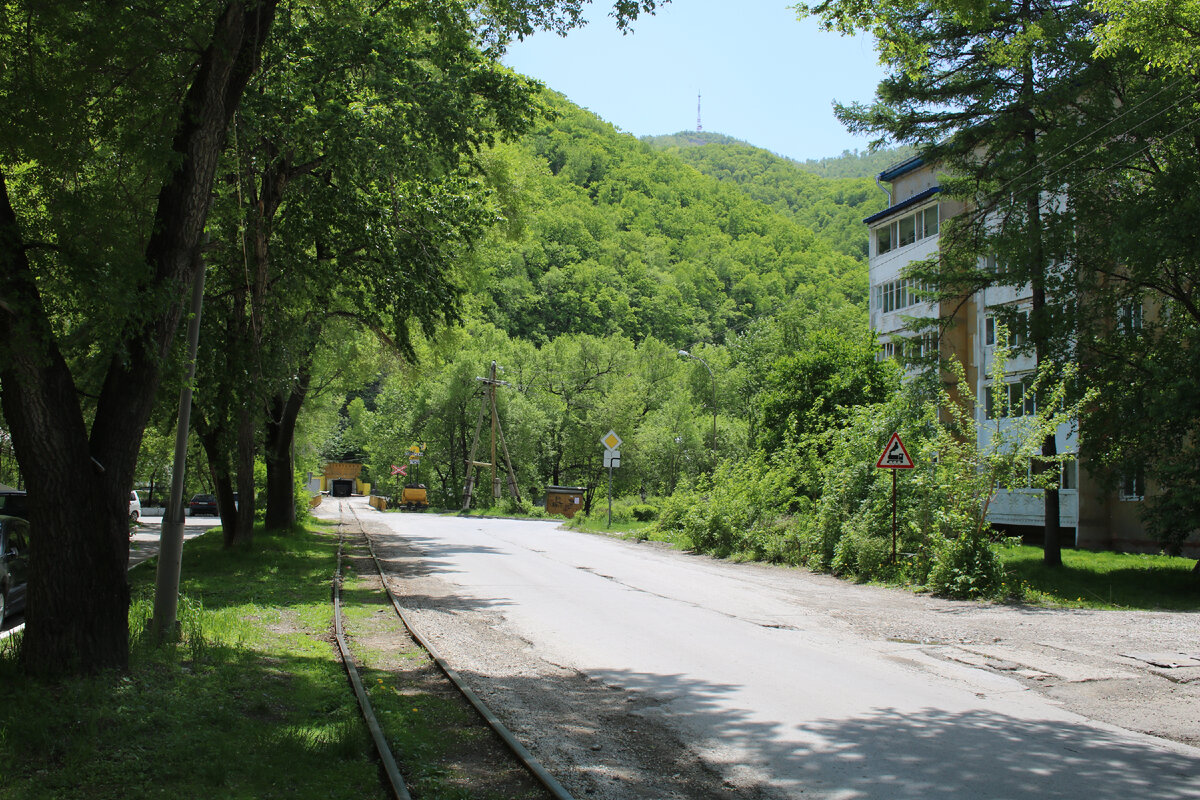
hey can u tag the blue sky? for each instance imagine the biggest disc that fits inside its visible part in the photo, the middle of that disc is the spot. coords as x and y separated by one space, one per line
765 76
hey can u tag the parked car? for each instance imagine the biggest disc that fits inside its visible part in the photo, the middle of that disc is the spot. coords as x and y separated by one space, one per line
14 562
13 502
203 504
135 508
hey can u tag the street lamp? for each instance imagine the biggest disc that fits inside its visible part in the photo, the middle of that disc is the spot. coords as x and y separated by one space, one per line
686 354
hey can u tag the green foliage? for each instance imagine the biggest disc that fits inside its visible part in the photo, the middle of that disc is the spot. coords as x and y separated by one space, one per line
643 512
611 238
810 390
853 164
967 567
1163 33
941 504
510 507
742 509
833 208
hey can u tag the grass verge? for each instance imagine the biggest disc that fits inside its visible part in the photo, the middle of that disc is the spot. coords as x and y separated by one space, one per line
1090 579
1087 579
598 523
252 702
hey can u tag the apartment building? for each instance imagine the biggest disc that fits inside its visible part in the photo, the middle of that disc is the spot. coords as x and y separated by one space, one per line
1094 516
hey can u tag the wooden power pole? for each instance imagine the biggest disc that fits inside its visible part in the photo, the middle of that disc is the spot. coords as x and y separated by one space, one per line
497 436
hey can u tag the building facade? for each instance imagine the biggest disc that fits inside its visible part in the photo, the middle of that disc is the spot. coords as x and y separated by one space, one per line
907 231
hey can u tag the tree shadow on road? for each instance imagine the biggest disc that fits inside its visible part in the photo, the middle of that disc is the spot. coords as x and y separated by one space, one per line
688 742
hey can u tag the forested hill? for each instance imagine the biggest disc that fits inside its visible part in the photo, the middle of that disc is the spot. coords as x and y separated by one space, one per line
606 236
853 164
832 206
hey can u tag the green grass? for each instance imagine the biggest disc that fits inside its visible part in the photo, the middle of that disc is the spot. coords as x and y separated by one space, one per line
1090 579
598 523
252 702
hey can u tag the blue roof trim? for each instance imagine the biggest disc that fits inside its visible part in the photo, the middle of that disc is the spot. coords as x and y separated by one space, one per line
895 171
912 201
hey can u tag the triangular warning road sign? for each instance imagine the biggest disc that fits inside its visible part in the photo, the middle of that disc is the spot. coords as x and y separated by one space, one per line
894 456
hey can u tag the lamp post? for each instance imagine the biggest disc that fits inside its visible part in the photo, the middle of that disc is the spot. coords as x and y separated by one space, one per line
686 354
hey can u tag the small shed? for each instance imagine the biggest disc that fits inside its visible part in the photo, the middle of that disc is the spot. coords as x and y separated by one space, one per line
565 500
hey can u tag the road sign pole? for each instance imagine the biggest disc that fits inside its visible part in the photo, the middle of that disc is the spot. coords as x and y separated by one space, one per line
893 516
610 469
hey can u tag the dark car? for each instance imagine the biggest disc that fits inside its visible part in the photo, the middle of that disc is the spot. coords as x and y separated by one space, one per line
14 562
13 502
203 504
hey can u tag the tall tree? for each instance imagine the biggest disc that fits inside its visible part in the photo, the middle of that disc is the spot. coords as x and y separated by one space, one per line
119 115
988 91
1134 194
75 144
352 195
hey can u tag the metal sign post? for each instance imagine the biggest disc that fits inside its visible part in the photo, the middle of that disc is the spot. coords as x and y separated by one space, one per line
612 459
894 457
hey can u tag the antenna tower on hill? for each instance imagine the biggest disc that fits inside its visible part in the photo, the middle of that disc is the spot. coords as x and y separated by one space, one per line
699 127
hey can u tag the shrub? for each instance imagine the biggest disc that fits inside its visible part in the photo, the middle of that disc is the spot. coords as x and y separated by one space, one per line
966 568
510 506
643 512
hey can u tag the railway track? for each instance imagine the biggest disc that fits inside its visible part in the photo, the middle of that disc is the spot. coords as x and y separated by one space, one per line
390 761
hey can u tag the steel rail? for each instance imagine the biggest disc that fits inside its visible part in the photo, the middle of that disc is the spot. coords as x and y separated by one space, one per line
386 758
519 750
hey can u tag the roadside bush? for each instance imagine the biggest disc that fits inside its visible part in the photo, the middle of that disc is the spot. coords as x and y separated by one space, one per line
675 507
967 568
643 512
744 508
860 552
629 509
510 506
301 498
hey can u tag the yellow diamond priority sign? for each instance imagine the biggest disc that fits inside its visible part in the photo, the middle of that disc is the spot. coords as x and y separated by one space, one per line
611 441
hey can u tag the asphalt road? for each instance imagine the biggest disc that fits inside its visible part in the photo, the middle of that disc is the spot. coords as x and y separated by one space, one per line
765 689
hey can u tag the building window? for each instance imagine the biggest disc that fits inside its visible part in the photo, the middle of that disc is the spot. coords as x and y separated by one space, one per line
1070 474
899 294
1018 330
1016 399
1132 486
906 230
910 349
929 221
1129 317
883 239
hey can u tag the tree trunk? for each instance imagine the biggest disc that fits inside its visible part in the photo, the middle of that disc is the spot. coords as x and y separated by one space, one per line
221 473
1039 325
78 593
77 620
243 533
281 470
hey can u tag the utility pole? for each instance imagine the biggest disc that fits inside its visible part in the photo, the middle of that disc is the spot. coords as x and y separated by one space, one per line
170 547
497 436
